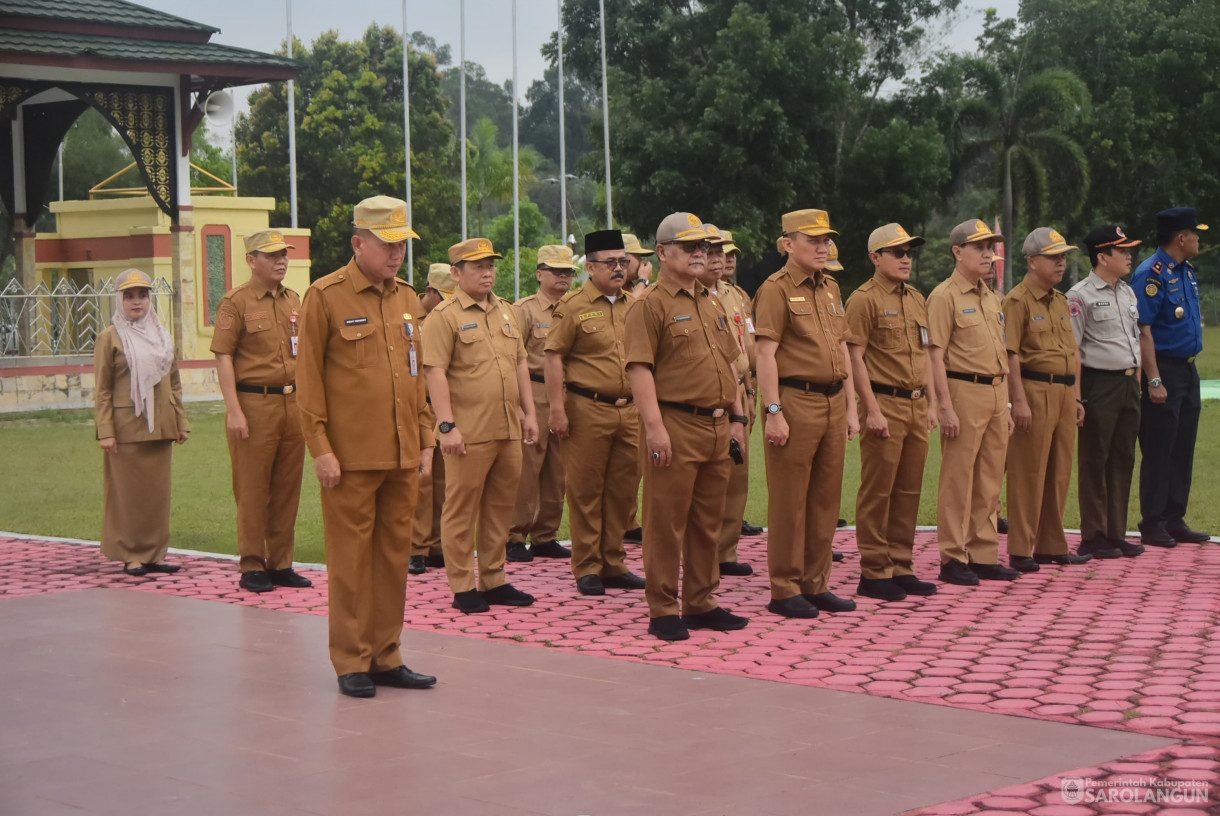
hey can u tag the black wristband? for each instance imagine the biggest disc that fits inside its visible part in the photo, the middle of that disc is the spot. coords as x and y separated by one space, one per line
740 419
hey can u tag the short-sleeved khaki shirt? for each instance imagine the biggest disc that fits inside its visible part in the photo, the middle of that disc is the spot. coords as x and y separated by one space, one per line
966 320
535 316
686 340
590 334
1038 329
360 388
890 320
741 319
254 327
1105 320
479 350
804 314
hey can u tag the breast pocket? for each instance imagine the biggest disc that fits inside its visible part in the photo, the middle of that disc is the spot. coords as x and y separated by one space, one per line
682 341
540 332
804 322
1040 335
969 327
473 348
357 346
259 335
887 332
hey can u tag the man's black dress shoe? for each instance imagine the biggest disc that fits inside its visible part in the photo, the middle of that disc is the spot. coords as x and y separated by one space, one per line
841 523
139 569
636 535
417 565
883 589
517 552
1103 549
590 585
288 577
719 619
668 627
829 602
1157 537
911 585
627 580
437 560
550 549
748 529
168 569
402 677
1184 535
1066 560
1123 546
1023 563
470 602
357 684
735 568
507 595
1001 525
836 556
795 607
958 572
994 572
256 581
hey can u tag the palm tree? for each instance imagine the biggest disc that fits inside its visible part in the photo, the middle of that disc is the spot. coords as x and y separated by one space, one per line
489 174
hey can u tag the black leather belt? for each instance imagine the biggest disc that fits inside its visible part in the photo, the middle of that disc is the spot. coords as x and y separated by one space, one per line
538 378
812 387
980 379
618 402
895 391
278 390
1054 379
715 413
1116 372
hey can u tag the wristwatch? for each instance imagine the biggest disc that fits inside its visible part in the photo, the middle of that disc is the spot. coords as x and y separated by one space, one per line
1155 382
774 408
446 427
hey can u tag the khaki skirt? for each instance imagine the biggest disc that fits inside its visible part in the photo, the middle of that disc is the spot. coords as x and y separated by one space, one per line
136 497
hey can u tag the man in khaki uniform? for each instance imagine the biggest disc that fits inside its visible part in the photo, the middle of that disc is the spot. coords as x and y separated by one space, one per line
1046 406
365 420
480 388
597 418
639 268
803 372
888 321
540 498
426 543
680 360
969 362
255 343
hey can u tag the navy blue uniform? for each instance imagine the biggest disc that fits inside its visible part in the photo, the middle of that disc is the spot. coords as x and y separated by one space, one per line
1167 294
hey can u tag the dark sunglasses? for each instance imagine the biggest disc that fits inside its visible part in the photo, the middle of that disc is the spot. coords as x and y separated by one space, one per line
691 247
900 253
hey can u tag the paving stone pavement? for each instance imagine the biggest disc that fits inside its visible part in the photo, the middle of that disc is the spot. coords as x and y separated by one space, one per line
1128 644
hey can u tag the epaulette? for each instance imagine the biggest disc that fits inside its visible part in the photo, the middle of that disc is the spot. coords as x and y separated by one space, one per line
329 280
1156 267
444 304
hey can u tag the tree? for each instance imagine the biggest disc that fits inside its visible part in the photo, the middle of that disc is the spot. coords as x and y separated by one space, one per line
484 100
489 170
539 125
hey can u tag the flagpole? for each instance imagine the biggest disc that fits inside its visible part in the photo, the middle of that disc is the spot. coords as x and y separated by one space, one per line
292 131
406 133
605 113
563 158
516 173
462 107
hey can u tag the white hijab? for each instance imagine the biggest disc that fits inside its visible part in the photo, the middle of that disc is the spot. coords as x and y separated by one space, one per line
149 350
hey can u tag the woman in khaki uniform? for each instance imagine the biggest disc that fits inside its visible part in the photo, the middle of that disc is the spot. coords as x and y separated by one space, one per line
138 407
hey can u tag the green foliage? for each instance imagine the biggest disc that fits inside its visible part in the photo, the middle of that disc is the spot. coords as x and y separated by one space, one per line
489 171
535 228
484 100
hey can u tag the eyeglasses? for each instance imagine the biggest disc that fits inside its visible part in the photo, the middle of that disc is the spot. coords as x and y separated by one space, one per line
691 247
900 253
612 263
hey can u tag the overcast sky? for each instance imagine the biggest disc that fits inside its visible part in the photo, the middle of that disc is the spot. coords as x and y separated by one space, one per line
262 25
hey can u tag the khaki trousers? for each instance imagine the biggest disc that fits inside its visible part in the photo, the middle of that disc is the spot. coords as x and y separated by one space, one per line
971 470
891 479
1040 471
267 468
367 519
735 503
683 507
480 493
601 459
805 486
427 538
540 495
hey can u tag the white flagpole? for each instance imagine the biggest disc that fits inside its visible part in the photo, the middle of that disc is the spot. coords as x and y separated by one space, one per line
462 107
606 114
292 130
563 158
516 174
406 134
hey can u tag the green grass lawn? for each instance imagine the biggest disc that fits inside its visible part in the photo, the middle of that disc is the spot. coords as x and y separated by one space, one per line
52 479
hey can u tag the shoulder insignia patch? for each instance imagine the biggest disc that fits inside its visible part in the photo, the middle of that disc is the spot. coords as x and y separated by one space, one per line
1157 267
1073 307
558 315
224 321
1151 289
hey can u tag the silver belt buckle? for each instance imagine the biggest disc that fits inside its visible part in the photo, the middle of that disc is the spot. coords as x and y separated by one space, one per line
719 412
917 393
620 402
288 389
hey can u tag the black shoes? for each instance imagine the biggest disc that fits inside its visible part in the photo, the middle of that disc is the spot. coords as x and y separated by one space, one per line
417 565
841 523
748 529
1104 549
883 589
1067 560
795 607
437 560
135 568
357 684
836 557
469 602
256 581
517 552
401 677
718 619
1001 525
167 569
993 572
1125 547
828 602
507 595
735 568
550 549
636 535
1023 563
590 585
1182 534
1157 537
288 577
957 572
911 585
627 580
668 627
